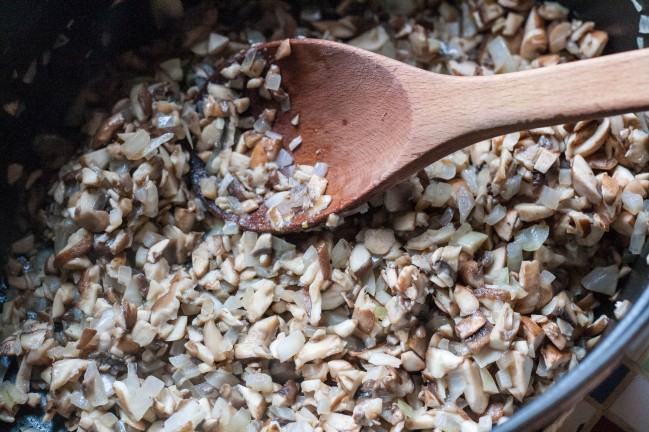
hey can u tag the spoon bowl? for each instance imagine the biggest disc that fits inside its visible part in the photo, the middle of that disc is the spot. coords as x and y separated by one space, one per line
375 121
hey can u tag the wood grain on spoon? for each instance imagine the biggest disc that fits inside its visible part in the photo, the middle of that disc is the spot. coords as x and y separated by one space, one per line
375 121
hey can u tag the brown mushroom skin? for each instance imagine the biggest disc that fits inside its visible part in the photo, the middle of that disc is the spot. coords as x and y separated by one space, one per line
470 272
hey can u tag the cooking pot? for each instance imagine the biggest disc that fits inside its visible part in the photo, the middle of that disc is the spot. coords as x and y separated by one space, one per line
65 42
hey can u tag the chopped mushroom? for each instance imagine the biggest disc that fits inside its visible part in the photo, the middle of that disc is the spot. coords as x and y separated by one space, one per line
584 180
256 341
78 244
64 371
466 301
444 303
469 325
439 362
473 390
379 241
530 279
319 350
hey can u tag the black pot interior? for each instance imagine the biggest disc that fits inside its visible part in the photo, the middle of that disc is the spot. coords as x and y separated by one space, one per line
30 27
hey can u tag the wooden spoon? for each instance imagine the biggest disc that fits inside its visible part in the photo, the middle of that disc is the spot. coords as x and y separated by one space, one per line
375 121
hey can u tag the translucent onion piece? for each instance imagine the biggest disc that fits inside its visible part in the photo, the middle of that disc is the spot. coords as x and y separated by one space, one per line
502 58
550 198
273 135
295 143
437 194
487 356
472 241
284 159
380 359
639 233
512 186
371 40
532 238
286 348
471 178
277 199
135 145
190 414
488 383
230 228
514 255
320 169
465 202
496 215
260 382
405 409
219 377
565 177
216 43
632 202
456 385
273 81
442 169
602 280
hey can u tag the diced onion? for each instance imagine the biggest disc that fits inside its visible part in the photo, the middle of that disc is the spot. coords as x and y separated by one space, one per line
173 68
284 159
639 234
547 278
532 238
219 377
284 413
260 382
496 215
273 135
437 194
261 125
512 186
472 241
320 169
380 359
277 199
487 356
371 40
485 423
456 385
514 255
273 81
632 202
380 312
602 280
285 349
190 414
446 421
124 275
442 169
295 143
465 202
504 379
79 400
405 408
488 383
471 178
135 145
216 43
565 177
502 58
230 228
550 198
456 234
225 183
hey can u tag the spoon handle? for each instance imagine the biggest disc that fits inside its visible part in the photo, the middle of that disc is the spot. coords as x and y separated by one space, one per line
489 106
